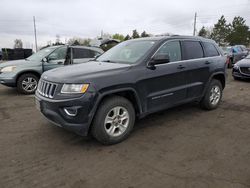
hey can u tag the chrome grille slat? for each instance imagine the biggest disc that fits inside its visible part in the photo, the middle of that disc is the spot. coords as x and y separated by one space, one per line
46 89
245 70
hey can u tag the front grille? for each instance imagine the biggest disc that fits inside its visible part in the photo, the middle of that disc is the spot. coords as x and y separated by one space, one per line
245 70
46 89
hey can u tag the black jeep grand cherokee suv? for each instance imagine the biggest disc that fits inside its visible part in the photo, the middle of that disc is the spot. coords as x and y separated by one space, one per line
133 79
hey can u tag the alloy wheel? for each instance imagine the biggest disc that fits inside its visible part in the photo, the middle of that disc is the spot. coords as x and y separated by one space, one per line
116 121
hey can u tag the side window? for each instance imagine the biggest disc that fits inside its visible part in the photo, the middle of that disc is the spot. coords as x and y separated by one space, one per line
192 50
173 49
93 53
59 53
210 49
79 53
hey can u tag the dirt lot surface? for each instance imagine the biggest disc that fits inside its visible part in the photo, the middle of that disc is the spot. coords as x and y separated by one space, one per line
184 147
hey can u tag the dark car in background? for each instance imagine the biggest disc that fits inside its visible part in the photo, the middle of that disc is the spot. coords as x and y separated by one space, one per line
234 54
24 74
133 79
243 49
241 69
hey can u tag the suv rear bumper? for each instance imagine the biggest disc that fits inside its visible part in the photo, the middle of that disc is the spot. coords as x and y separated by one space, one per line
56 111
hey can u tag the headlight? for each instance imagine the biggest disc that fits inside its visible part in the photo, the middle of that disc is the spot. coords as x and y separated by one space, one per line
236 67
74 88
8 69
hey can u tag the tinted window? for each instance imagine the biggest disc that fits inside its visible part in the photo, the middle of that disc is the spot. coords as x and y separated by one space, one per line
210 49
172 49
79 53
93 53
192 50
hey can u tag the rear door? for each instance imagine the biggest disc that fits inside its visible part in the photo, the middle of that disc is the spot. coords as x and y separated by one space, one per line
197 67
82 55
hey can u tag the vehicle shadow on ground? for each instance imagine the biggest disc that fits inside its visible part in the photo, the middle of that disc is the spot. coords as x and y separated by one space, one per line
8 91
154 120
243 80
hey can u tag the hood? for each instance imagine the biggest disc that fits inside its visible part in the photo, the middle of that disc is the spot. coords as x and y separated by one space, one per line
244 62
84 71
14 63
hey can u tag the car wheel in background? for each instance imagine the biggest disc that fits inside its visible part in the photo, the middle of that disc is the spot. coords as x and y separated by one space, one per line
27 83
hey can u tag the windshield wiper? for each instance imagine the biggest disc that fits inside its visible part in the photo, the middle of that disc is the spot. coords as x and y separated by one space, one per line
108 61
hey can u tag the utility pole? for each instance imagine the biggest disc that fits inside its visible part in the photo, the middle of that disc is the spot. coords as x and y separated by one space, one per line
34 20
195 17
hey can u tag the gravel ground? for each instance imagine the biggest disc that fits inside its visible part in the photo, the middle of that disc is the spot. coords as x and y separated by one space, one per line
183 147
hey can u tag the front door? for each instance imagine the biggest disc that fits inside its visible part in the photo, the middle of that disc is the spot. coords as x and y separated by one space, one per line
55 59
165 86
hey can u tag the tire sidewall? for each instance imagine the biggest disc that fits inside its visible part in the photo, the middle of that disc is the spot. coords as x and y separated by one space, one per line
20 80
212 84
100 132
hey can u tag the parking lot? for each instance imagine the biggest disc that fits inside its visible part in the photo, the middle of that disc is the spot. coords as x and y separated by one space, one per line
184 147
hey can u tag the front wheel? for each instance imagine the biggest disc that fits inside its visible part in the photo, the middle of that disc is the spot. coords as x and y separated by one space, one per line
213 95
27 84
113 121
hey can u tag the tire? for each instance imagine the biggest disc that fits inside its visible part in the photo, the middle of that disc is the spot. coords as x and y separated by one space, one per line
210 102
113 132
27 80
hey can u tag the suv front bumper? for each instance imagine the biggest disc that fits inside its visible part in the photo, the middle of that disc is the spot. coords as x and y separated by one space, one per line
8 79
72 114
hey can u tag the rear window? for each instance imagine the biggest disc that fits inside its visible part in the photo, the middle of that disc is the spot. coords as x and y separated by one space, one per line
79 53
210 50
192 50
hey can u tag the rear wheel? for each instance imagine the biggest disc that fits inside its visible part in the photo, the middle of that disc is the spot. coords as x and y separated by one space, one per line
213 96
113 121
27 83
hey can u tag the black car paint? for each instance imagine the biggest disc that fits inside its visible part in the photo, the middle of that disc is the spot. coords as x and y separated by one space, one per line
154 89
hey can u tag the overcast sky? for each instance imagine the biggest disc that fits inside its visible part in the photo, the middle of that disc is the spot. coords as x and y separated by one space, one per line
87 18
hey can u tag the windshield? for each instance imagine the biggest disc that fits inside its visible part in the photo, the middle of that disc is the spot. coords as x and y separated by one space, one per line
128 52
227 49
41 54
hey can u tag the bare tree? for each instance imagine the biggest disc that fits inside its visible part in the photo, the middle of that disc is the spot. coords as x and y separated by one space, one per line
18 43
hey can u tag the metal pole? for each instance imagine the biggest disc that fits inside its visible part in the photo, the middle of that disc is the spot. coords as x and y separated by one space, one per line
34 20
195 17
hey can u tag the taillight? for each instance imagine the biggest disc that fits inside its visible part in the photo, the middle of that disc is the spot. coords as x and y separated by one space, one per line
228 60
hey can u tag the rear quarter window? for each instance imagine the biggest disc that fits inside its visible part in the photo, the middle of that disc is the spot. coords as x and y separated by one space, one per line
79 53
192 50
210 50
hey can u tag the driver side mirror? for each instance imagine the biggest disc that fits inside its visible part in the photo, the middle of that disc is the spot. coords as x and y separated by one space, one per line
159 59
45 60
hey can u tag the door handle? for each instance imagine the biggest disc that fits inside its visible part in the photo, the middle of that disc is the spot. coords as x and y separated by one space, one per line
207 62
60 63
181 67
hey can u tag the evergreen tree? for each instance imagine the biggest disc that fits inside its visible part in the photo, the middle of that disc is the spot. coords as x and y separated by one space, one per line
127 37
144 34
240 33
135 34
220 31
